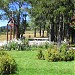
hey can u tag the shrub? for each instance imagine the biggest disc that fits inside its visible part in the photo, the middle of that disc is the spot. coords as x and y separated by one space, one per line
7 64
61 54
69 55
53 54
65 53
40 54
63 47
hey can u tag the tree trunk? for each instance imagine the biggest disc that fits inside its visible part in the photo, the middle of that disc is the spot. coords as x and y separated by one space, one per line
67 36
47 33
61 29
52 32
56 31
25 24
18 24
43 33
7 33
10 32
59 32
18 21
63 32
35 32
40 31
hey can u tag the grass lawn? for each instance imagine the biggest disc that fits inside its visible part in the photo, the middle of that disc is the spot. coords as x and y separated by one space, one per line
28 64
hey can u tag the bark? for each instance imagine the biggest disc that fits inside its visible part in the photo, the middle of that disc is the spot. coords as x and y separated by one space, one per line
43 33
7 33
10 32
18 21
63 32
52 32
47 33
14 31
17 26
35 32
40 31
56 31
59 32
61 28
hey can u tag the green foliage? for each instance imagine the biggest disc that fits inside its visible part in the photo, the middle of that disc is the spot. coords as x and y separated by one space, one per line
65 53
40 54
53 54
61 54
42 10
7 64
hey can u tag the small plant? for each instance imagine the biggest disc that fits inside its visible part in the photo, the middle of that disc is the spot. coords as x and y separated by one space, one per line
7 64
40 55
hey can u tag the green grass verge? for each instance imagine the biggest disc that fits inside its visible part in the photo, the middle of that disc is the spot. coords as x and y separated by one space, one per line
28 64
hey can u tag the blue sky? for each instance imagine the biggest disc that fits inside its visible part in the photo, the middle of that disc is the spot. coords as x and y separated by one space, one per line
3 22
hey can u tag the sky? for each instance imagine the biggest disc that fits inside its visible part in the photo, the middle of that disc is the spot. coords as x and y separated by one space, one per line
3 22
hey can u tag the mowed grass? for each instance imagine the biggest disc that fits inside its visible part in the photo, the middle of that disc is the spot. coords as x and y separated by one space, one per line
28 64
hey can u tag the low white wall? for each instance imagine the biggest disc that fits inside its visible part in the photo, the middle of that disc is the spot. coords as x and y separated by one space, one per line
35 42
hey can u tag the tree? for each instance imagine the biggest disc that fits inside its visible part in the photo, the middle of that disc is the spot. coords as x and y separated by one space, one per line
18 8
60 10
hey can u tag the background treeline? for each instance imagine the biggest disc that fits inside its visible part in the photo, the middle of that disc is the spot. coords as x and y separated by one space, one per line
54 16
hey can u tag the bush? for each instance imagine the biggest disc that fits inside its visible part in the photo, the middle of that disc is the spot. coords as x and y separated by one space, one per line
69 55
63 49
53 54
61 54
65 53
40 55
7 64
